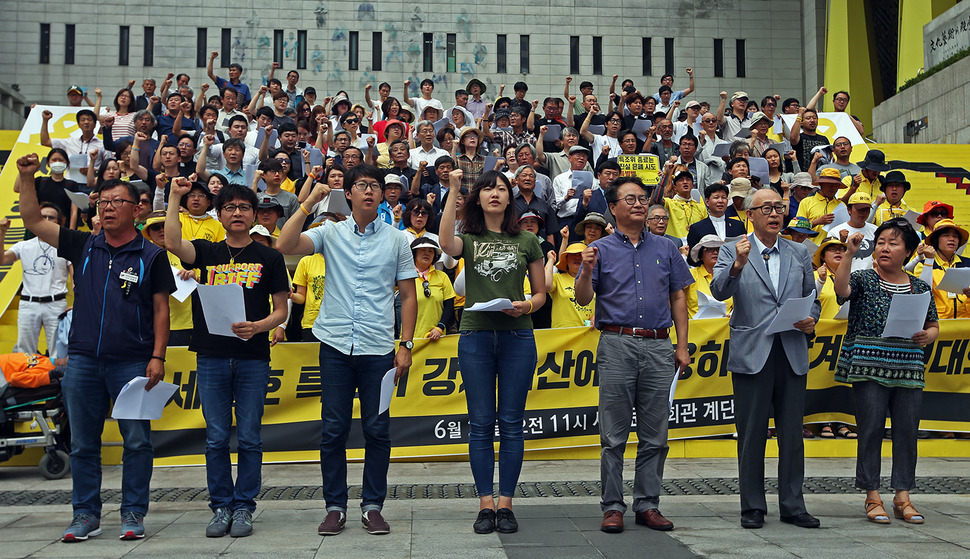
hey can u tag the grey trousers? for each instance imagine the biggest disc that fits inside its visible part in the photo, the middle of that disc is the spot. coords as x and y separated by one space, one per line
634 373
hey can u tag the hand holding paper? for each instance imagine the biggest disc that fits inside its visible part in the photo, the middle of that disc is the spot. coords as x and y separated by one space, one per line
793 312
134 402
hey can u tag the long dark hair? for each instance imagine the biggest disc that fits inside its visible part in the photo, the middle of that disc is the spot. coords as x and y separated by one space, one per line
473 221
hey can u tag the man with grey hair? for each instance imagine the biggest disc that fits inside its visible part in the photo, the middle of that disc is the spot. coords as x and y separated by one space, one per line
425 154
558 162
769 370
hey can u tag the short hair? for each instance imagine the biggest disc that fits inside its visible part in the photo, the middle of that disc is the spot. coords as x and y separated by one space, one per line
737 146
293 72
60 215
288 127
384 84
585 84
901 227
238 118
664 89
665 76
115 183
398 143
280 95
237 143
626 132
788 103
232 192
87 113
690 138
459 92
440 136
836 94
178 77
737 160
427 81
354 148
270 164
236 66
612 191
715 188
811 111
520 86
139 115
422 123
445 159
274 81
548 100
173 94
414 204
524 113
569 130
526 146
228 89
265 111
749 199
608 164
522 168
363 170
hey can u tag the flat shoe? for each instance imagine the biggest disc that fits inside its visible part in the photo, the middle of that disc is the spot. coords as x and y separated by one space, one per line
826 432
847 433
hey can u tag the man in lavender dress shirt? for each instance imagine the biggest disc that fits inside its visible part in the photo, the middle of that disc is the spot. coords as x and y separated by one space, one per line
639 282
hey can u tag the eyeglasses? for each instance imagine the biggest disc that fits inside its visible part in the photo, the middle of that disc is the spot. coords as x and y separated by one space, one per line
614 121
364 185
156 227
351 156
709 120
768 208
660 218
283 161
427 288
841 145
231 208
351 121
771 105
116 203
939 213
631 200
419 213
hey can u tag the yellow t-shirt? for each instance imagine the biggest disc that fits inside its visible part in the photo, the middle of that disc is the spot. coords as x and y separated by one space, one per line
289 185
948 305
683 214
814 207
179 314
566 312
205 227
869 187
429 308
702 281
885 212
830 307
311 273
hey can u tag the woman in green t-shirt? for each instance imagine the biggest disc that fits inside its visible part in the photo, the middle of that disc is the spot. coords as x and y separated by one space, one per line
496 349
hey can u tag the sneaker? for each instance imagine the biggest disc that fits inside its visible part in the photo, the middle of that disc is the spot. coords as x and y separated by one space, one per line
485 523
505 521
374 523
83 526
219 525
132 526
242 523
333 523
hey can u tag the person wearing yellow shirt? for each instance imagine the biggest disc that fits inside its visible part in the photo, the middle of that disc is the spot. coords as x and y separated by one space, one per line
566 312
890 203
436 297
827 259
820 207
180 313
704 256
799 230
196 222
310 280
868 179
740 188
682 209
945 239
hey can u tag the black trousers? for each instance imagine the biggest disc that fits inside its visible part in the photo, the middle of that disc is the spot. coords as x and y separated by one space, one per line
776 387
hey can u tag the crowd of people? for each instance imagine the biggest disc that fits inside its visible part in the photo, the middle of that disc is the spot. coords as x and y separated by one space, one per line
407 214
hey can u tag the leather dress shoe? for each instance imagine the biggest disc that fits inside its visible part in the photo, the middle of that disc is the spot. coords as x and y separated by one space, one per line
802 520
654 520
612 522
752 519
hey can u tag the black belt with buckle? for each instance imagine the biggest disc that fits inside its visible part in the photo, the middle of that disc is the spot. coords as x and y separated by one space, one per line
660 334
47 299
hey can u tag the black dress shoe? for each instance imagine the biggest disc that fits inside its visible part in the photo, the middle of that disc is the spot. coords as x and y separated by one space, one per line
802 520
752 519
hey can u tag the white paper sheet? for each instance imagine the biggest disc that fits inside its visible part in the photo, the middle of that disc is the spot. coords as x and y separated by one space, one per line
499 304
183 288
955 280
641 127
840 216
673 387
843 313
598 129
387 390
794 310
758 166
709 307
80 200
223 306
783 146
77 162
336 202
553 132
722 150
582 179
911 216
134 402
907 314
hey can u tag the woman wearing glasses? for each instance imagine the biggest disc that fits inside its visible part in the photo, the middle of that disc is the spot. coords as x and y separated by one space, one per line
436 296
614 121
886 374
497 348
415 219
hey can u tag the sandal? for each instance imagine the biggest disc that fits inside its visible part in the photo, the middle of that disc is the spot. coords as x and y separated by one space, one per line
899 509
826 432
847 433
876 512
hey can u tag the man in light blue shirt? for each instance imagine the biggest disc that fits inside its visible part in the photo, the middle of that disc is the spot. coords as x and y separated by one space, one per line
365 258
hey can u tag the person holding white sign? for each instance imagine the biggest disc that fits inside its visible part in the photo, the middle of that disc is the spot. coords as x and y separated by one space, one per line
945 239
820 208
886 374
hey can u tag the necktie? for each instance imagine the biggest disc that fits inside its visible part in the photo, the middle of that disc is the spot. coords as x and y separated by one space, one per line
766 254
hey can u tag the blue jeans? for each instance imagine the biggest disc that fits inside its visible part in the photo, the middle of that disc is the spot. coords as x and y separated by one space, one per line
341 375
224 384
506 358
89 387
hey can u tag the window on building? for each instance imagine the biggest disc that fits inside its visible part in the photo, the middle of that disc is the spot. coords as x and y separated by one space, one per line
353 50
647 56
574 54
69 43
451 52
500 53
45 43
718 58
201 50
148 49
669 55
598 55
741 55
124 41
523 54
225 47
377 52
301 49
278 46
428 52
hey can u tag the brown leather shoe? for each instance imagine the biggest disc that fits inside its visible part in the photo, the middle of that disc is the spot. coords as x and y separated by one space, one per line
332 524
374 523
654 520
612 522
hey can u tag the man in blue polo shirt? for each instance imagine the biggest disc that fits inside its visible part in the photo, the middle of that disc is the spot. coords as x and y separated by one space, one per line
235 70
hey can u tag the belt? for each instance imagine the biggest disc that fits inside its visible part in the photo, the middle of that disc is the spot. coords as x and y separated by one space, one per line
660 334
47 299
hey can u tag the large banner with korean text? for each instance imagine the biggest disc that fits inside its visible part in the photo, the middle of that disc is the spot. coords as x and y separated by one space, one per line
428 417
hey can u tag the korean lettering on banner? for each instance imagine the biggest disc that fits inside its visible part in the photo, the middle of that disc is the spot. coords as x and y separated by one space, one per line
647 167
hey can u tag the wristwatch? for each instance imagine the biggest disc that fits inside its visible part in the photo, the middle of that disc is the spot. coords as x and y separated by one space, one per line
407 344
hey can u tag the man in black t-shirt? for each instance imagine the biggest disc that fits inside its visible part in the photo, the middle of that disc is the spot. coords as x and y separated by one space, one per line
119 332
233 371
803 137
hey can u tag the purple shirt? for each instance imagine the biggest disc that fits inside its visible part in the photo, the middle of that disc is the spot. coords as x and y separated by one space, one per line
633 284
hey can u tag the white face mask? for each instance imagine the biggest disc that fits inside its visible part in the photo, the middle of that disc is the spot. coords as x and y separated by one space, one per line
58 166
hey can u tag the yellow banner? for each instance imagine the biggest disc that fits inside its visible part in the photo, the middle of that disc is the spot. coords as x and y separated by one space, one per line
647 167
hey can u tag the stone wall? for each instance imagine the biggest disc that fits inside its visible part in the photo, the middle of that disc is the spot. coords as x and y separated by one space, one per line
941 98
